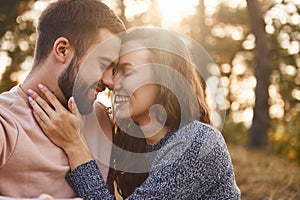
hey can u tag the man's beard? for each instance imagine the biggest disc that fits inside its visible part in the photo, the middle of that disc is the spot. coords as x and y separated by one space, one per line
78 89
85 106
66 80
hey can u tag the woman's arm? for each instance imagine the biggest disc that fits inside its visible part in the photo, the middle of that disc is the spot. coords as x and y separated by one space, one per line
61 126
193 175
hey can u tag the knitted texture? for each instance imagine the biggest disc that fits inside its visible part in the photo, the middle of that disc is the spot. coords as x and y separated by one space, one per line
190 163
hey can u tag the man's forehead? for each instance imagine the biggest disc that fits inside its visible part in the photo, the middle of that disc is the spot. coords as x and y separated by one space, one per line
107 48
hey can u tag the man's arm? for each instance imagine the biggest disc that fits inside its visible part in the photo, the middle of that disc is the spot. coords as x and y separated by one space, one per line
1 143
8 138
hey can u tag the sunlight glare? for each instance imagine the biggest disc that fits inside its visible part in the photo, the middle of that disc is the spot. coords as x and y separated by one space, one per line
134 8
288 69
216 119
22 76
41 4
270 29
247 117
294 48
295 19
276 111
5 61
226 68
27 63
23 45
297 2
239 69
104 98
296 94
235 106
211 6
236 4
173 11
249 42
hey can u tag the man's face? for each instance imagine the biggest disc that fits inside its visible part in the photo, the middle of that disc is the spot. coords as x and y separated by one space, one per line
98 61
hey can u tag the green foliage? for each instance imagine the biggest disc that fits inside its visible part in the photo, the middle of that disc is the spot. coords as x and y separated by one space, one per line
285 137
235 133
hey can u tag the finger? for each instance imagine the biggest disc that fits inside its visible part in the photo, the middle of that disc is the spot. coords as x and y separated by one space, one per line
40 121
73 107
50 96
39 113
78 118
41 103
45 197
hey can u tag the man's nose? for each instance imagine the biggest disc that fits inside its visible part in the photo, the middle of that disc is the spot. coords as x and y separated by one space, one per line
107 78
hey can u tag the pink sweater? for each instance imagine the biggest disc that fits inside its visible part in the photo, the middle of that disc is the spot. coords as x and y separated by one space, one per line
29 163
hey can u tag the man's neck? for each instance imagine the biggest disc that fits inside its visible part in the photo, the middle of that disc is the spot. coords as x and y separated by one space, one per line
35 78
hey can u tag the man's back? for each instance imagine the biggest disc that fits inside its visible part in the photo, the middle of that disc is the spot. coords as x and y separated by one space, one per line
29 163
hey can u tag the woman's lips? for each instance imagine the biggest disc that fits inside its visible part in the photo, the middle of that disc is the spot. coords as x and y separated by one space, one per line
121 99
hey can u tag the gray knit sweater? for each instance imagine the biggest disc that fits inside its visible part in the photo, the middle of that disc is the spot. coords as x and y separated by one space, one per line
190 163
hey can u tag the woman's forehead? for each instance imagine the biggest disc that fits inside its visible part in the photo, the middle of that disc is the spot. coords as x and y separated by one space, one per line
131 46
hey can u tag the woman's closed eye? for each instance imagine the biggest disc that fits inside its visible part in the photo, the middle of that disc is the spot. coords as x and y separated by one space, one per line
127 74
124 70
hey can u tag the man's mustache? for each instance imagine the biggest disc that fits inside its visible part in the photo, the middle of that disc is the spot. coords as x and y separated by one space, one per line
101 87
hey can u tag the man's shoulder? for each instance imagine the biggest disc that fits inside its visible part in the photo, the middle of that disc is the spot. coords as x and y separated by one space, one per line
8 124
12 107
8 98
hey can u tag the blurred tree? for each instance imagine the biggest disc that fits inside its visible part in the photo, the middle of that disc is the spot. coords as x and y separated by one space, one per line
223 29
8 13
283 22
263 69
12 32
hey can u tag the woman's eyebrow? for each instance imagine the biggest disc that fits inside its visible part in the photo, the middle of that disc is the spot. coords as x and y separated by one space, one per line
125 64
108 61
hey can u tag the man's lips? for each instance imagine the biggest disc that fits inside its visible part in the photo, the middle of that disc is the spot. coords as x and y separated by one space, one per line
92 94
100 87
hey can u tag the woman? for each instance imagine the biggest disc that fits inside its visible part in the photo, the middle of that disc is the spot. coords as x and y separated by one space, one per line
157 90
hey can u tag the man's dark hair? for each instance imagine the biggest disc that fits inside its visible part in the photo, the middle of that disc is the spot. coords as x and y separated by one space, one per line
78 21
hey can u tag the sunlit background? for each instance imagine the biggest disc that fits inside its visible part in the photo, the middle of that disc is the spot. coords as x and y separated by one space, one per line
228 40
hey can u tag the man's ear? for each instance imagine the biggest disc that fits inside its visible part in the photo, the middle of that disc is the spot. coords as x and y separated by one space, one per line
62 49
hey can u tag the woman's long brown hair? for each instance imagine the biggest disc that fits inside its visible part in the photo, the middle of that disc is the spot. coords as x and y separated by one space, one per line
174 70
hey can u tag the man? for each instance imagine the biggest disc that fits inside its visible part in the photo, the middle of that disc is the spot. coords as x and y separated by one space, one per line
67 30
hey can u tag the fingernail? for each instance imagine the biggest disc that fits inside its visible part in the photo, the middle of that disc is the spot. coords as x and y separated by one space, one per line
41 86
30 91
72 99
30 99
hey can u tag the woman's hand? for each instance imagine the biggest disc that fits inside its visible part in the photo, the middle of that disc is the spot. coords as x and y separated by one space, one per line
61 126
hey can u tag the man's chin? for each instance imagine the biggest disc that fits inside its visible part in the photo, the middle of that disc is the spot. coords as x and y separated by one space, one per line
84 108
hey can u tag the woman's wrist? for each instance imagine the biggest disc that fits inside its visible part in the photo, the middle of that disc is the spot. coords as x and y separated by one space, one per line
78 154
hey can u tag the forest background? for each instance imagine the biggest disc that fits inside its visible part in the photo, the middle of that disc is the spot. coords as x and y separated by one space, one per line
255 46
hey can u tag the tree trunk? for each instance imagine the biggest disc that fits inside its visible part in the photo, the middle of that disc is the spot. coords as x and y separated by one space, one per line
260 124
122 14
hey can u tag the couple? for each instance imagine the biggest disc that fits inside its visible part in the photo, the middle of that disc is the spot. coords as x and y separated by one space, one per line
157 92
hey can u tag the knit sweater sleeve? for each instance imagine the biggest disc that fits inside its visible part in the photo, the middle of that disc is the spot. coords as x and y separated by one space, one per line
88 183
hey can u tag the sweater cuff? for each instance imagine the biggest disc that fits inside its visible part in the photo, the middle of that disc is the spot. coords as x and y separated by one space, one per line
86 179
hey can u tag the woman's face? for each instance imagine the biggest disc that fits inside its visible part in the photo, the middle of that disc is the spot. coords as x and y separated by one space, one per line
135 90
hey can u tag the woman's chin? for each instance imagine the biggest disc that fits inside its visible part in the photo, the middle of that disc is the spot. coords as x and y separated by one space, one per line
121 115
